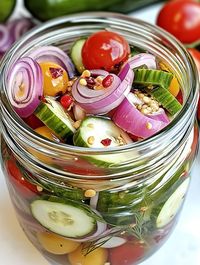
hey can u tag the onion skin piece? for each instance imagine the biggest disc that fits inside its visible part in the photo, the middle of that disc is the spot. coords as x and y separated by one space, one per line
55 55
134 122
25 86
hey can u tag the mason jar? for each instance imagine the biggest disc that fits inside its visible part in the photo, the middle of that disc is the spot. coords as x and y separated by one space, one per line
120 211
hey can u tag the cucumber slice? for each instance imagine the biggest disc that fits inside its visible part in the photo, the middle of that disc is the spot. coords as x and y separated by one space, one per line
68 219
164 97
172 205
159 82
151 77
52 114
94 130
76 55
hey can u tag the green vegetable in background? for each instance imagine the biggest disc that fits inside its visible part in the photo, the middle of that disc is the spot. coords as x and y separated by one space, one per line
6 8
47 9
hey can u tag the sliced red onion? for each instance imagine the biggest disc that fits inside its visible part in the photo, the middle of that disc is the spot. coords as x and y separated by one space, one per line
18 27
12 31
101 228
143 59
79 113
159 115
106 99
25 87
111 242
5 39
133 121
55 55
94 201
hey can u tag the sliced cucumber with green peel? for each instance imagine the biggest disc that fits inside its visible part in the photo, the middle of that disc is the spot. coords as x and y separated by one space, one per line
156 83
67 219
172 205
53 115
76 55
151 77
99 132
166 99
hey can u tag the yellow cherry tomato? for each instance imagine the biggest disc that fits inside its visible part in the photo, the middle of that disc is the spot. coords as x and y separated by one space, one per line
46 132
55 79
56 244
174 87
98 256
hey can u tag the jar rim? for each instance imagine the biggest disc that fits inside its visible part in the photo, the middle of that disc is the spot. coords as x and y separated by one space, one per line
108 17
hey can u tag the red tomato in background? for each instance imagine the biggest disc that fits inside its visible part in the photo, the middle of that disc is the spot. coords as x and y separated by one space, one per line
16 177
198 111
104 50
196 56
126 254
181 19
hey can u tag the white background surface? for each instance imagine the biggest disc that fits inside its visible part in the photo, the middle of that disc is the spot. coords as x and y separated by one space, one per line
183 247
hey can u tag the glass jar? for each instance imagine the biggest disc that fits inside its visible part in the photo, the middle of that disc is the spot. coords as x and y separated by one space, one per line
115 206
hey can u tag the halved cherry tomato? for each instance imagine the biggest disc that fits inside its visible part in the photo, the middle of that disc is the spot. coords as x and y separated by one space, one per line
105 50
126 254
16 177
181 19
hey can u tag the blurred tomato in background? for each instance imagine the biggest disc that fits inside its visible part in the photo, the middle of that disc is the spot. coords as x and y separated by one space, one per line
181 18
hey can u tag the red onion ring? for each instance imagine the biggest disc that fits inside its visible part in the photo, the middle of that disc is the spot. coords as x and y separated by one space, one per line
12 31
18 27
55 55
25 86
160 115
5 39
111 97
143 59
134 122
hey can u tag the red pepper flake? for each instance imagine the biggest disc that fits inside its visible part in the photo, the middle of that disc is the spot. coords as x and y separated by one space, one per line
56 72
106 142
107 81
66 101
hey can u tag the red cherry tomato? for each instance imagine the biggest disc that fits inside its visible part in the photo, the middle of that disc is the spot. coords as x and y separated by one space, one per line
105 50
181 19
126 254
25 188
179 97
33 121
66 101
